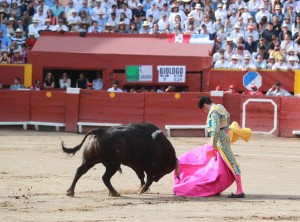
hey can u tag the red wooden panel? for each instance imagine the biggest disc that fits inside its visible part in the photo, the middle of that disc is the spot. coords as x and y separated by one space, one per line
15 105
260 115
96 106
72 107
289 116
8 73
232 103
48 106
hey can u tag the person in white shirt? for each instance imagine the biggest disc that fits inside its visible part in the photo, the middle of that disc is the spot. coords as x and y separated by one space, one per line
292 64
64 82
221 13
40 16
115 87
60 27
234 35
276 90
252 32
98 83
74 17
247 64
221 63
280 65
261 13
35 28
234 63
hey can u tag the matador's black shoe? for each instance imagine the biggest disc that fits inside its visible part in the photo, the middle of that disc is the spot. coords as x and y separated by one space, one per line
241 195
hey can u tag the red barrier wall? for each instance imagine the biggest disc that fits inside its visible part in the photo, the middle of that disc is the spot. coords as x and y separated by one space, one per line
48 106
9 72
232 102
15 106
159 108
95 106
224 78
289 116
260 115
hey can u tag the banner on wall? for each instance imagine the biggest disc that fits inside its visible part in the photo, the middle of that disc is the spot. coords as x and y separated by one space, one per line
190 38
171 74
139 73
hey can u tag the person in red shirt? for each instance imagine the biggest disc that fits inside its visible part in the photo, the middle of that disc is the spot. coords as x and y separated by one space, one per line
253 91
31 40
231 90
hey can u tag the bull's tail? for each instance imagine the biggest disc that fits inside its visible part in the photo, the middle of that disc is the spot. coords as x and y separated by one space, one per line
177 169
76 148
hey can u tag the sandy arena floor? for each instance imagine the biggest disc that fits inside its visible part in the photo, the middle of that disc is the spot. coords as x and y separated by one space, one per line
35 174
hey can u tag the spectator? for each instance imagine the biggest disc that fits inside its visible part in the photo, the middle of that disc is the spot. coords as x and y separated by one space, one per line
221 63
284 32
228 53
64 81
6 42
287 43
4 58
122 28
253 91
260 63
292 64
234 63
291 53
277 13
263 42
252 32
17 58
115 87
10 28
48 26
231 90
251 45
49 81
145 28
218 88
36 86
261 51
95 28
98 83
271 62
268 32
35 28
276 90
133 28
17 84
57 8
82 82
280 65
31 40
60 27
113 20
247 64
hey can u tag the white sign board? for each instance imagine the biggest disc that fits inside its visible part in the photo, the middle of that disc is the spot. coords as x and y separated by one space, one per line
171 73
251 79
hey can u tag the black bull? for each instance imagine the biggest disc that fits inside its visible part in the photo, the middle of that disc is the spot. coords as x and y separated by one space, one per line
140 146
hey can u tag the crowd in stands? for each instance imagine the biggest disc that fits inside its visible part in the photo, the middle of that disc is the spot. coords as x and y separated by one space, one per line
258 35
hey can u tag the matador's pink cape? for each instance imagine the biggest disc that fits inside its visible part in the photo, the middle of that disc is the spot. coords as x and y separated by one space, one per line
204 171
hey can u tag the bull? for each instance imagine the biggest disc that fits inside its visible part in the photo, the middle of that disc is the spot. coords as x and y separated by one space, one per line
141 146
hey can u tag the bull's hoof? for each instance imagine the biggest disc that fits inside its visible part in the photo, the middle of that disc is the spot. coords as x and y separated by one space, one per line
143 190
114 194
70 193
